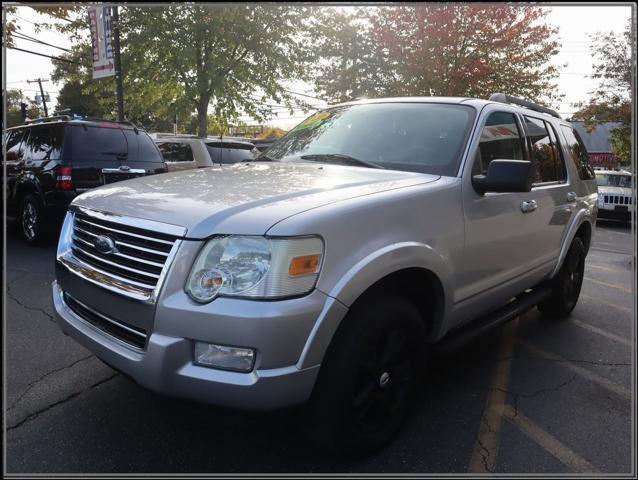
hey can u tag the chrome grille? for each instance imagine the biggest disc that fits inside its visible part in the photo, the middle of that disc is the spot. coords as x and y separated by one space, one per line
136 265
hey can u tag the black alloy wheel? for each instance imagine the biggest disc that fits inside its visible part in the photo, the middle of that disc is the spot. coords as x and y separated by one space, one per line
567 284
370 377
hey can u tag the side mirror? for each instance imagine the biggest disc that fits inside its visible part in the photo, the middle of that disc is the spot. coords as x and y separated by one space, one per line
505 176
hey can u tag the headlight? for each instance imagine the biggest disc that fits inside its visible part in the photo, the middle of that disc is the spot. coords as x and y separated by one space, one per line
255 267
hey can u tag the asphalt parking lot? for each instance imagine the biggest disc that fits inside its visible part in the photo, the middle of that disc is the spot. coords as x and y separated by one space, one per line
534 396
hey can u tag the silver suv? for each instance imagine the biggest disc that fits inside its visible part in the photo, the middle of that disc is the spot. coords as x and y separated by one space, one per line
323 270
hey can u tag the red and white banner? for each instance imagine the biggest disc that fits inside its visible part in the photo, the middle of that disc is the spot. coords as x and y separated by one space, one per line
101 39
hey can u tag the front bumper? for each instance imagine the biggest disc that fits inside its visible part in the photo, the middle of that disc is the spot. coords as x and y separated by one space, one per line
166 366
612 213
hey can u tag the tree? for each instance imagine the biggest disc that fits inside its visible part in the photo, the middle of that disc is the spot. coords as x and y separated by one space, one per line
234 59
611 100
73 97
14 98
271 133
10 25
352 62
448 50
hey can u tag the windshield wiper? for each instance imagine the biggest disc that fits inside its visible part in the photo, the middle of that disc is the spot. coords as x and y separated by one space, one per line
340 159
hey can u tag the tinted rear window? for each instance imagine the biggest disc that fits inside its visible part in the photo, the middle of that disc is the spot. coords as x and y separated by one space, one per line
94 143
44 143
147 150
236 153
107 143
578 153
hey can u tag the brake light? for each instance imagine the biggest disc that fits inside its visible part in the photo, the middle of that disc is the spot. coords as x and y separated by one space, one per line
63 178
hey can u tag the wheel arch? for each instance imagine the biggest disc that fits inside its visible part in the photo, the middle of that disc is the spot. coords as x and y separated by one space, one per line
407 270
582 227
23 188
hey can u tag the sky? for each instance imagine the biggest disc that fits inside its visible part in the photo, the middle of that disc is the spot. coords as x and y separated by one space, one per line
575 24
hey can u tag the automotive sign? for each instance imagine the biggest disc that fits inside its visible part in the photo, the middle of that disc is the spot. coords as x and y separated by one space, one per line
101 38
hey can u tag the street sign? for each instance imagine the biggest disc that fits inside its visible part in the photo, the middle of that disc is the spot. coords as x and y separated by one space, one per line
38 98
101 38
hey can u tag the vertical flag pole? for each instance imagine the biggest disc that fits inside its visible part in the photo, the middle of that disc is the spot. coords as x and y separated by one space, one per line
118 64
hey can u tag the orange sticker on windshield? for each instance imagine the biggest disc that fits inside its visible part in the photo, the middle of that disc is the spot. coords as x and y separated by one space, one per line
312 121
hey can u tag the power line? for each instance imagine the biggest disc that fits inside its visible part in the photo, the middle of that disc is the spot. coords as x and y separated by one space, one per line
43 55
304 95
22 36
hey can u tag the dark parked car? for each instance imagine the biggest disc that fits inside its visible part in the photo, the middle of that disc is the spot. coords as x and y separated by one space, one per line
49 162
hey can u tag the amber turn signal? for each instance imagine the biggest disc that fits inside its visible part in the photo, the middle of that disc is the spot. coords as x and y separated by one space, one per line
304 265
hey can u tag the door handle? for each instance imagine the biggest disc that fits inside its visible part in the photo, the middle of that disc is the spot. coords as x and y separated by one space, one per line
571 196
528 206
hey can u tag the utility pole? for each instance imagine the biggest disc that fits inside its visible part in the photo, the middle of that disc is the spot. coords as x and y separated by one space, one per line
44 102
174 118
118 64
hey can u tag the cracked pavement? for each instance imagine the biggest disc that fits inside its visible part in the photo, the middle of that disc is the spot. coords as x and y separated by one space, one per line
68 412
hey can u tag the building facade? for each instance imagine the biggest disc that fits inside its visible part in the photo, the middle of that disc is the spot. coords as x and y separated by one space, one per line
597 143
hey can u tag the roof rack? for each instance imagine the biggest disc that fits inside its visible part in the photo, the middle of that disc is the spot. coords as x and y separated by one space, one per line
50 119
96 119
503 98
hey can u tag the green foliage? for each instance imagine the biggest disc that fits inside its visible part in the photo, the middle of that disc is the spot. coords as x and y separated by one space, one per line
353 63
72 96
14 98
10 25
621 143
611 100
187 58
438 49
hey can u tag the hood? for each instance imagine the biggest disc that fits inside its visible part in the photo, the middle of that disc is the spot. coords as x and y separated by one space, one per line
615 190
245 198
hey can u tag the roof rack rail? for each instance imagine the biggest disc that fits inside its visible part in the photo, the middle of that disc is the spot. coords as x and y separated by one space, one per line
503 98
96 119
50 119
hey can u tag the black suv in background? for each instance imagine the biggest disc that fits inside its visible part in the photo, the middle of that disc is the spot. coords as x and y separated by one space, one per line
51 161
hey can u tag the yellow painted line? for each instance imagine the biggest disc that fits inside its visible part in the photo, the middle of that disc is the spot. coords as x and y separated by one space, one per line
487 441
583 372
605 302
601 332
608 285
553 446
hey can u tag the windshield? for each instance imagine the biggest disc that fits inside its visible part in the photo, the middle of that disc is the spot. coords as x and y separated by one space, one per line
613 180
417 137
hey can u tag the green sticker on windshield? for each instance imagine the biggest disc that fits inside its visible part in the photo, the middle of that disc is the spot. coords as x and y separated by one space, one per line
312 121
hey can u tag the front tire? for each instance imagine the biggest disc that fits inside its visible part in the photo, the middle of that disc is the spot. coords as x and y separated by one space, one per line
369 378
33 223
567 283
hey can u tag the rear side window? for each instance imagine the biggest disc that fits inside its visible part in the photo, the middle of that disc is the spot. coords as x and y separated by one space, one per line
14 144
230 152
148 151
578 152
44 143
93 143
561 171
176 152
545 153
500 139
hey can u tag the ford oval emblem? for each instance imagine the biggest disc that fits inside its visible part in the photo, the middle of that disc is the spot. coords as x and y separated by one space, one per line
104 244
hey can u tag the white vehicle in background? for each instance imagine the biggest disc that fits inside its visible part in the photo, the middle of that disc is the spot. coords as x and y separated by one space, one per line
184 152
615 198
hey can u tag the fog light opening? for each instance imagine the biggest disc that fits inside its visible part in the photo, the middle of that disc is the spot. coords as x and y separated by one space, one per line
224 357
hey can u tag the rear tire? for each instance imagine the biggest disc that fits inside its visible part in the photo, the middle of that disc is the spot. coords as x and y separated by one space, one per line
567 283
34 226
369 378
